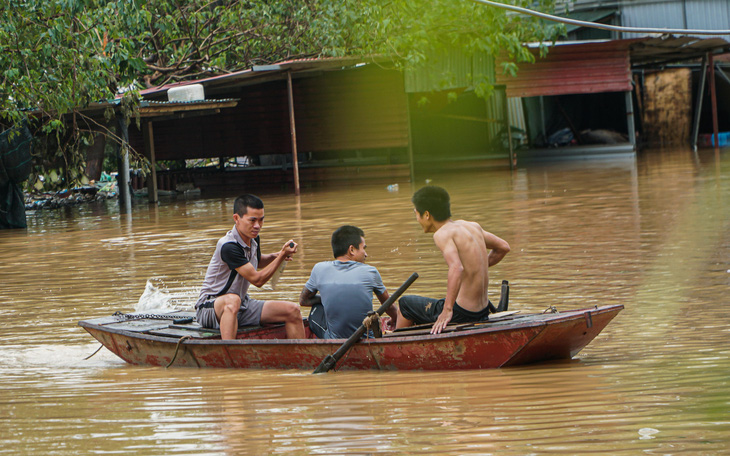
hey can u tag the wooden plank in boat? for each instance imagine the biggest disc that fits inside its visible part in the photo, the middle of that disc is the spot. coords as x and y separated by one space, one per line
139 325
420 330
178 333
194 327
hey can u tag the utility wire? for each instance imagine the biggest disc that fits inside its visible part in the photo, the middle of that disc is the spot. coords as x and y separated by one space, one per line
616 28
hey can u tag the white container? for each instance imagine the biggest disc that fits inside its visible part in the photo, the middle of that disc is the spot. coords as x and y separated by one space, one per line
192 92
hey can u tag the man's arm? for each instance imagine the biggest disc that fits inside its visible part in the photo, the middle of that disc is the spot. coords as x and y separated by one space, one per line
391 311
267 259
259 277
453 285
497 246
309 298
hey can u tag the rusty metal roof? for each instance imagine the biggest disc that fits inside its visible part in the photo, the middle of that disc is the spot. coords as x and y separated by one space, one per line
573 69
668 49
601 66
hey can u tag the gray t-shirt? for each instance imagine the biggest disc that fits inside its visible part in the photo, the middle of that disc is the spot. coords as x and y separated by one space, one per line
347 290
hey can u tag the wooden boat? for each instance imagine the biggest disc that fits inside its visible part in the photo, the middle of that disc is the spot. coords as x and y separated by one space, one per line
507 339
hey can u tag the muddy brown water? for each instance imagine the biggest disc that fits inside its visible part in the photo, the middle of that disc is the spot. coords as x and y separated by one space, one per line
651 233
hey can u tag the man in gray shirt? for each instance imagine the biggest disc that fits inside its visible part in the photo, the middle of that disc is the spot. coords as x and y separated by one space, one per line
345 285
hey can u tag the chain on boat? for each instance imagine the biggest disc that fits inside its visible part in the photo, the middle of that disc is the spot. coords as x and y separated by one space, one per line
128 317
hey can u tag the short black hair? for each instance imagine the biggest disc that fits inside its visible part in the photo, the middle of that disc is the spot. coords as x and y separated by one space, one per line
243 202
344 237
433 199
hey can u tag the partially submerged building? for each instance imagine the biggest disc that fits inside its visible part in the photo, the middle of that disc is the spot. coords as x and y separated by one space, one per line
303 122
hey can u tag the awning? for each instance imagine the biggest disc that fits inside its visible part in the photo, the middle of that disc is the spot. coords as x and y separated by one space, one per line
573 68
582 67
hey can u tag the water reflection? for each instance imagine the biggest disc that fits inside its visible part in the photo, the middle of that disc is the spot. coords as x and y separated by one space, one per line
651 233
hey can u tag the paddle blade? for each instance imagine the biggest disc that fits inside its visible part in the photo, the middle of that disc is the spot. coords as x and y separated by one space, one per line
326 365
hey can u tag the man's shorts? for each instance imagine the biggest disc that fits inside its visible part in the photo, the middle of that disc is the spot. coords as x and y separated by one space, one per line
319 326
318 321
421 310
248 315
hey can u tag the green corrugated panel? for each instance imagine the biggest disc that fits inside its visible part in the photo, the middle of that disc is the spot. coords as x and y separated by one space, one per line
448 70
588 16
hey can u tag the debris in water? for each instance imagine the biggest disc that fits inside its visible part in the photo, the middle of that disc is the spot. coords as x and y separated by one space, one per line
647 433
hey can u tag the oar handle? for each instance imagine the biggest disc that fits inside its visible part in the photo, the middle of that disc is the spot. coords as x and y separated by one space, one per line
330 360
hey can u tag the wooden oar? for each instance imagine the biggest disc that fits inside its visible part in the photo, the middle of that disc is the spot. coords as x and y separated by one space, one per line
330 360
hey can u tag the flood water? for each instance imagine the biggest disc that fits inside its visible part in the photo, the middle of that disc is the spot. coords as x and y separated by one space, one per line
651 233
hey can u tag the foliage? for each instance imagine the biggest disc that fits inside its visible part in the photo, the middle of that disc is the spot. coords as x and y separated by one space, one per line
411 31
56 59
198 38
59 57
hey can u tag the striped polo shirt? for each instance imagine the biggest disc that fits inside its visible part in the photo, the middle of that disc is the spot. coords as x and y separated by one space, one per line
221 277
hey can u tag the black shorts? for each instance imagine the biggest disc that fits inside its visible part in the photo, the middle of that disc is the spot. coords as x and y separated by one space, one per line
421 310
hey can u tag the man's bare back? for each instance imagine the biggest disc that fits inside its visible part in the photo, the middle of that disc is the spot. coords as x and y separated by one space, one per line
464 244
468 250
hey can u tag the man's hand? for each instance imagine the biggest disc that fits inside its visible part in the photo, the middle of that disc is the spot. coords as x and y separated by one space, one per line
388 323
442 321
289 249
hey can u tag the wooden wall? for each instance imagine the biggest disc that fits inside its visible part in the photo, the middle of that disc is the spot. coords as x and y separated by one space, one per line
666 107
363 108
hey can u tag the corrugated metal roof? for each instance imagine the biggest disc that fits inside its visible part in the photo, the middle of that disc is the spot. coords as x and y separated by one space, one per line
263 73
694 14
149 108
449 69
710 15
590 16
152 103
671 49
603 66
573 69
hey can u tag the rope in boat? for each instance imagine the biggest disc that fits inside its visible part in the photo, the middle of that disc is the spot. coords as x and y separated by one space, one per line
371 318
177 348
551 309
617 28
97 351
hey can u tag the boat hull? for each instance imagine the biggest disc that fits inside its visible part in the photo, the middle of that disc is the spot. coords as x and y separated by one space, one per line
509 342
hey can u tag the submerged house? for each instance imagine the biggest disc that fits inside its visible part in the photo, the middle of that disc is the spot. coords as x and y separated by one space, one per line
303 122
677 80
588 98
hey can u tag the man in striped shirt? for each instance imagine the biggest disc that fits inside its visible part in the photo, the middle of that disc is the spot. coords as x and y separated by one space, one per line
237 263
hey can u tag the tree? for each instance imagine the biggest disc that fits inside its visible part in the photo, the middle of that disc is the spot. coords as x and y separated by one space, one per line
58 57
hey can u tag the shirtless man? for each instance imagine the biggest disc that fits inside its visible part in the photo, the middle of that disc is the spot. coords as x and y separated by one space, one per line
468 251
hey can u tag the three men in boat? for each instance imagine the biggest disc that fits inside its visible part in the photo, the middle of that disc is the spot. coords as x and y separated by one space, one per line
236 264
345 285
468 249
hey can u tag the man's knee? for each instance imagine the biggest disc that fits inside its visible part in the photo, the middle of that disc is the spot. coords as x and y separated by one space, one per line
229 303
293 312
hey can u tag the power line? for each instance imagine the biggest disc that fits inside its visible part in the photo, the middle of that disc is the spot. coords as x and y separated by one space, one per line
617 28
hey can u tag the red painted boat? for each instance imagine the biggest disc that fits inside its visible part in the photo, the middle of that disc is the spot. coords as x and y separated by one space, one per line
508 339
